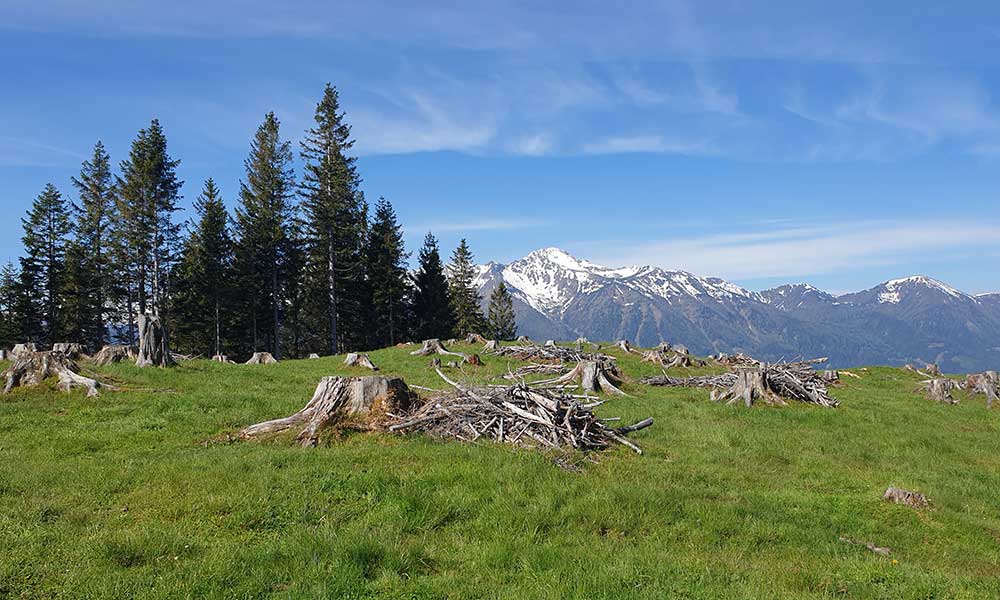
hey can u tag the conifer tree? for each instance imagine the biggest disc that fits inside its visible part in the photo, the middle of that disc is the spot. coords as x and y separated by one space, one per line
502 323
9 320
88 258
432 314
465 300
387 278
202 280
148 191
264 246
41 290
334 230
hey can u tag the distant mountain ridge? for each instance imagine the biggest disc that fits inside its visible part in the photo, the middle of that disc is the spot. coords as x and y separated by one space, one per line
914 319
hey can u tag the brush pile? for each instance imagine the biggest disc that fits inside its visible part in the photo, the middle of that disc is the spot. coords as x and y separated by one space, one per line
535 369
708 381
551 353
516 415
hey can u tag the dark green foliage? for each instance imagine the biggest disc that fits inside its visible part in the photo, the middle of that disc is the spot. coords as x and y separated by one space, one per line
387 278
433 317
147 238
265 238
202 298
502 323
335 296
89 274
9 320
42 288
464 297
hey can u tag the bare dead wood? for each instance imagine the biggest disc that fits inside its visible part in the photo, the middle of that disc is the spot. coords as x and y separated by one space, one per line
940 389
262 358
519 415
434 346
830 376
355 402
491 347
901 496
624 346
910 368
553 353
722 380
475 338
357 359
535 369
113 354
30 369
772 384
550 343
313 356
593 376
523 339
4 354
750 387
932 370
222 358
25 348
154 350
71 350
987 384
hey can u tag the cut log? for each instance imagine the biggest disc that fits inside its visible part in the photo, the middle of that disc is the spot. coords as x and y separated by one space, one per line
26 348
593 376
940 389
901 496
71 350
313 356
32 368
262 358
434 346
987 384
624 346
355 402
154 349
222 358
491 346
357 359
113 354
475 338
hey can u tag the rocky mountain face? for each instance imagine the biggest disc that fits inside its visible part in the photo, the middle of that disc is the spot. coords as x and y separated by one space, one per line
916 319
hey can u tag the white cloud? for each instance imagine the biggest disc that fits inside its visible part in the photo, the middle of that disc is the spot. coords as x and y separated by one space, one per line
645 143
478 224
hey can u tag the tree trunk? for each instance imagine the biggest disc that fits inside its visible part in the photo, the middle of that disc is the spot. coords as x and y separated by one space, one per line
154 349
331 284
274 302
359 402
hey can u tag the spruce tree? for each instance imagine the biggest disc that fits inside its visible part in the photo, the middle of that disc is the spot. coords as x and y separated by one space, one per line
334 231
88 257
9 320
202 277
502 323
463 295
432 314
264 246
387 278
148 239
42 286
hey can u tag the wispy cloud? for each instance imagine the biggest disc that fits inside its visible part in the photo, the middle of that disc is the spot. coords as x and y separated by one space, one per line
22 152
812 249
477 224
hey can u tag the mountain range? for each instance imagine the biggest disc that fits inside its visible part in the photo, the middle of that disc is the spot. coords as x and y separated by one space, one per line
915 319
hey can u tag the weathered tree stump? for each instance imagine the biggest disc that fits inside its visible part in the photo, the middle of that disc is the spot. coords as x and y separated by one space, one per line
550 343
154 349
987 384
940 389
222 358
831 376
110 355
593 376
933 370
901 496
475 338
313 356
523 339
750 386
71 350
491 346
25 348
32 368
356 402
434 346
910 368
357 359
624 346
262 358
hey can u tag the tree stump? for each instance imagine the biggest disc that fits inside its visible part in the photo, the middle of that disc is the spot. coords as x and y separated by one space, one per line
26 348
491 346
356 359
434 346
624 346
550 343
32 368
110 355
71 350
356 402
987 383
901 496
154 350
222 358
933 370
313 356
940 389
750 386
523 339
593 376
475 338
261 358
831 376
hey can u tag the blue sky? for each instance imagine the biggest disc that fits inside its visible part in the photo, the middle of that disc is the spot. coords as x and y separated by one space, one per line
765 142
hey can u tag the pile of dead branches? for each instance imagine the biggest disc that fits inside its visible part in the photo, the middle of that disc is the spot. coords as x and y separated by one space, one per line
535 369
552 353
517 415
722 380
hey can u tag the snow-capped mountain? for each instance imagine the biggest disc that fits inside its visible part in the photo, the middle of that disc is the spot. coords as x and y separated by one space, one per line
914 319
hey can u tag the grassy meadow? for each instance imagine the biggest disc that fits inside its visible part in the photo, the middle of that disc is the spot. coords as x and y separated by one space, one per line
141 494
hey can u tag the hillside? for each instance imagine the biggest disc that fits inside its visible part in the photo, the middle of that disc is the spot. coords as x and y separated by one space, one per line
143 494
911 320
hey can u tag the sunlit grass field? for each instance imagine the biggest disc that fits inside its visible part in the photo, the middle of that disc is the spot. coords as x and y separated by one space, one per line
140 494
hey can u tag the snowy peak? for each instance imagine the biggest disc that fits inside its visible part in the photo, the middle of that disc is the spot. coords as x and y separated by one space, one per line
915 288
796 295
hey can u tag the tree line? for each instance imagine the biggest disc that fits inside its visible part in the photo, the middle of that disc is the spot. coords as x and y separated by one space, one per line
301 266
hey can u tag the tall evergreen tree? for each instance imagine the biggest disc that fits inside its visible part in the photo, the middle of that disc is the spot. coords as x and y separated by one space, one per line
201 301
148 191
334 233
88 258
502 323
41 290
433 317
387 278
9 320
264 224
465 300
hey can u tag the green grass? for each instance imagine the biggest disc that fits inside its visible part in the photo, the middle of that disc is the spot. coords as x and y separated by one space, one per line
138 494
